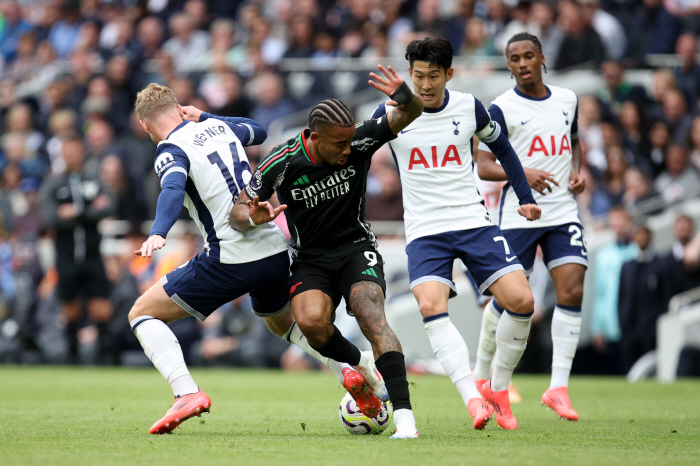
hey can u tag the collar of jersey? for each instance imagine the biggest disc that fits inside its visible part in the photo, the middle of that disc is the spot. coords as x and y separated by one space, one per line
302 137
529 97
177 127
441 107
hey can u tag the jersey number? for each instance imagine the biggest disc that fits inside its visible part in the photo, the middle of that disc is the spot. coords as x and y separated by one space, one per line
505 245
371 257
239 167
578 238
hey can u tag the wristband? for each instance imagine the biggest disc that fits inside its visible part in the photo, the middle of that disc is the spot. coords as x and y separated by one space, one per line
403 94
252 223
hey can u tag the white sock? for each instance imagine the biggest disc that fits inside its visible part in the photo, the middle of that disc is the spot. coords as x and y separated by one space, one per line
453 354
511 340
404 421
487 342
566 329
295 336
162 348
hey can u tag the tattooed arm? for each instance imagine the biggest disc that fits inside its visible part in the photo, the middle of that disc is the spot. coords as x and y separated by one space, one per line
367 304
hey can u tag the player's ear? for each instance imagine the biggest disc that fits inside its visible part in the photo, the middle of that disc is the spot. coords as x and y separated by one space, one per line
144 125
314 136
449 74
180 112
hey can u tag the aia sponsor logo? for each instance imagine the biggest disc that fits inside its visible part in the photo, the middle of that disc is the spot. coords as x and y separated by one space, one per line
538 145
418 159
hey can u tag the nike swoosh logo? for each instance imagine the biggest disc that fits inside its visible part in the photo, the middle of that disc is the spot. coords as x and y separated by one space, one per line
508 259
525 122
406 130
519 339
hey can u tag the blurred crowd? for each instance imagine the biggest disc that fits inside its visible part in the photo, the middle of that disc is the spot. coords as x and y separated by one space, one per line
70 71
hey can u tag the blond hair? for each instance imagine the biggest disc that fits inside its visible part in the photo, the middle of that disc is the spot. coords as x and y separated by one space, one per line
154 98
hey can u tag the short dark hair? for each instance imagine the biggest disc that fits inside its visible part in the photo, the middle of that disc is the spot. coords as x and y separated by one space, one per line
330 112
436 51
525 36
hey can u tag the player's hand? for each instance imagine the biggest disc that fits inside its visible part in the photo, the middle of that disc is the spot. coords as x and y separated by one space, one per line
387 85
192 113
539 180
263 212
530 211
153 243
577 183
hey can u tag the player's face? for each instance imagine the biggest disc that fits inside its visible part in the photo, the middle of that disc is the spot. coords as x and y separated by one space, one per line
334 143
429 82
525 62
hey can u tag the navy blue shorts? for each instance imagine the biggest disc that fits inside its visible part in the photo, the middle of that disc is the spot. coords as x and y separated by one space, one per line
483 250
561 244
202 285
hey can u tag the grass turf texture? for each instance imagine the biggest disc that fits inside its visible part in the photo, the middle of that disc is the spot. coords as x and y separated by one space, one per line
72 416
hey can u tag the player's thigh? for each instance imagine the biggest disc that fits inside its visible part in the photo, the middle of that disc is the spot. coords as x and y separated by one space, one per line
270 285
512 291
431 259
155 302
487 255
362 281
432 298
314 295
568 282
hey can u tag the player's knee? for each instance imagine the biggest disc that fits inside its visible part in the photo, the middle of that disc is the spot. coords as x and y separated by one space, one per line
573 295
315 328
523 304
430 308
137 310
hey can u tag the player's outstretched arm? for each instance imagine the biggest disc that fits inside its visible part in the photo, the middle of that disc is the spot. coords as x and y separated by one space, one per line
577 183
489 170
250 132
167 211
408 105
247 214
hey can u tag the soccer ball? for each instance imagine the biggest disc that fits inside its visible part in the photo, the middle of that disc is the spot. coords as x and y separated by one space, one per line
352 419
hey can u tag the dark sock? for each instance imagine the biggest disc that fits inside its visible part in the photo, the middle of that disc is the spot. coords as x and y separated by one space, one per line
340 349
72 336
393 368
106 344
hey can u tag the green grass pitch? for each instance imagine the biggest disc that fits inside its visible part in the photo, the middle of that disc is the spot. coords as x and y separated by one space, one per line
84 416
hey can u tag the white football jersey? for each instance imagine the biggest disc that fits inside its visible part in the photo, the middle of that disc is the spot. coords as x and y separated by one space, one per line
434 157
540 131
217 169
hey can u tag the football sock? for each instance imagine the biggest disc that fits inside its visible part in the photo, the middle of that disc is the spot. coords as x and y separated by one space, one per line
295 336
511 340
566 329
452 352
487 340
72 336
392 366
340 349
162 348
106 343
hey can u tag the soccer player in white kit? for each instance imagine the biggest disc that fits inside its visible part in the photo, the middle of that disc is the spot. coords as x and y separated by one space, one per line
445 219
541 124
201 163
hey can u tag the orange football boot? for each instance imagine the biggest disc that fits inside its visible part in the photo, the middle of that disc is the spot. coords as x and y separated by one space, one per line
185 407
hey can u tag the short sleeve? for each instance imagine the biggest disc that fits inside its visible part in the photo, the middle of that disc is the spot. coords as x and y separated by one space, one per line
268 174
371 134
170 158
380 111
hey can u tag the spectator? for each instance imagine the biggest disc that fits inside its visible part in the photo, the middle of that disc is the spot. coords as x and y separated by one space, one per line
688 72
608 28
187 45
679 276
114 179
594 203
634 130
551 35
521 21
680 180
590 132
617 90
694 142
272 103
581 45
64 35
72 205
477 44
384 200
150 36
659 140
301 33
614 174
272 48
14 28
675 111
652 29
605 325
639 197
640 303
